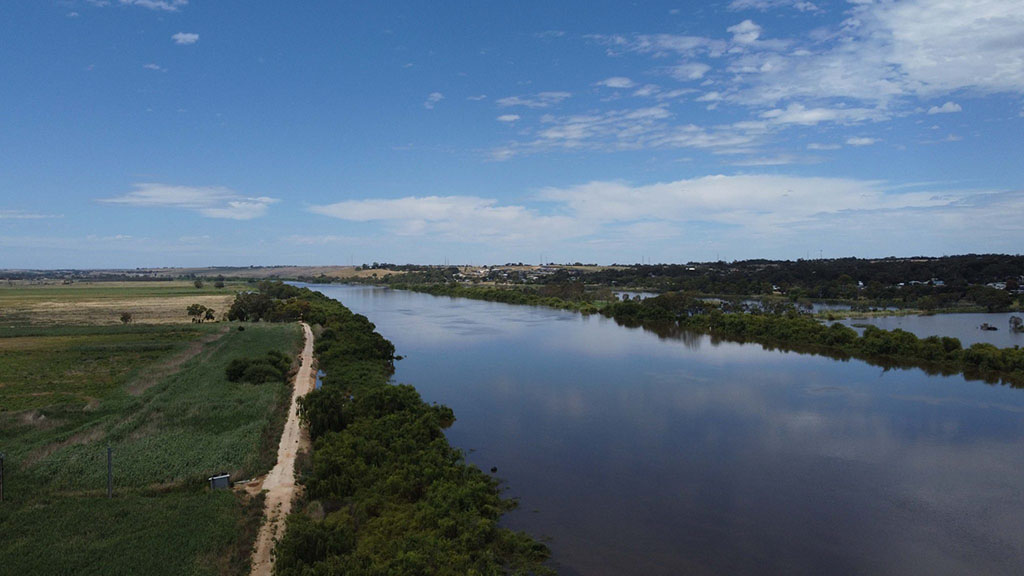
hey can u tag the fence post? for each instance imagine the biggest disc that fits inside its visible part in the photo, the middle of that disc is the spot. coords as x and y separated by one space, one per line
1 476
110 472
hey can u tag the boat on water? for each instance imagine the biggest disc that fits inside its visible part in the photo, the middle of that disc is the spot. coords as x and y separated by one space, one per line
987 326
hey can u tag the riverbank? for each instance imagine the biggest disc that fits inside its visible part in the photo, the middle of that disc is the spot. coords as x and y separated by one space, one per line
673 312
384 491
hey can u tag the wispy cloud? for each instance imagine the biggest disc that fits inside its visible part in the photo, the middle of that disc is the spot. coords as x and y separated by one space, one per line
540 100
463 218
166 5
821 146
508 118
628 129
861 141
26 215
185 38
800 114
211 202
154 67
432 100
163 5
779 210
616 82
765 5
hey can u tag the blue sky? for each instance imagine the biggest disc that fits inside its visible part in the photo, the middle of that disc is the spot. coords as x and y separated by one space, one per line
191 132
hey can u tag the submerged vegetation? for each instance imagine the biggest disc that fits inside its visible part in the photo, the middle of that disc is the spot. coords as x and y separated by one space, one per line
385 492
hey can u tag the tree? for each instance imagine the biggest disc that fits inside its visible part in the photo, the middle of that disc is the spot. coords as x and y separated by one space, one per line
198 283
209 314
1016 324
126 317
218 284
197 312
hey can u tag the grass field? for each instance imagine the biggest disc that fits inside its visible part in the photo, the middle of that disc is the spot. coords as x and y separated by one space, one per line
156 394
102 303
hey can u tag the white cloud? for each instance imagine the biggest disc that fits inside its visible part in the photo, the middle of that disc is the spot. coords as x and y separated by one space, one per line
165 5
212 202
690 71
861 141
616 82
477 98
508 118
820 146
26 215
540 100
628 129
947 108
764 5
799 114
154 67
466 218
746 32
662 45
778 160
647 90
885 51
756 202
185 38
324 240
747 215
945 45
432 99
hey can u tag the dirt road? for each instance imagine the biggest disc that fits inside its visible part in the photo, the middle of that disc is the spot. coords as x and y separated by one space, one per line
280 482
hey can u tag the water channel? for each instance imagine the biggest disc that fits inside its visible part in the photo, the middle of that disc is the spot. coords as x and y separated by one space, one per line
632 454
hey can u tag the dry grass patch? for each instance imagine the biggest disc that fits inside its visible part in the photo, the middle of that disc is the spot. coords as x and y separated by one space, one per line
103 303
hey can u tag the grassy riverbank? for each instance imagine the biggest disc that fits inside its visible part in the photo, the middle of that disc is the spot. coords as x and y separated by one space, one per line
385 492
158 396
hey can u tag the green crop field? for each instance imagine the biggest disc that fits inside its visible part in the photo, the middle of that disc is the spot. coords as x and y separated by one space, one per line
158 396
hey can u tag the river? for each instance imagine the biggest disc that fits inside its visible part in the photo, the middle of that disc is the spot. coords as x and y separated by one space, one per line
632 454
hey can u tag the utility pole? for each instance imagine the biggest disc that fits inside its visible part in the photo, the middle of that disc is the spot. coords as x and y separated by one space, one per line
110 472
1 476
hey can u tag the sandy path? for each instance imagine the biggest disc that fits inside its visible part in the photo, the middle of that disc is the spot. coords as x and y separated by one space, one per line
280 482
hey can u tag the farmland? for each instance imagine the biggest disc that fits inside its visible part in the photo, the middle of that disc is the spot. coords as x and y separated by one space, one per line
102 303
157 395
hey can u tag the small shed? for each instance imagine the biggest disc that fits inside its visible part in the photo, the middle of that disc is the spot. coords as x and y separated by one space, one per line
220 481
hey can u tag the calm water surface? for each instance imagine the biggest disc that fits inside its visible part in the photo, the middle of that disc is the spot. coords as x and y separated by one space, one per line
635 455
966 327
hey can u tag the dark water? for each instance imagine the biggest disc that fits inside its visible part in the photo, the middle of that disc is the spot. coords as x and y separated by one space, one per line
635 455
